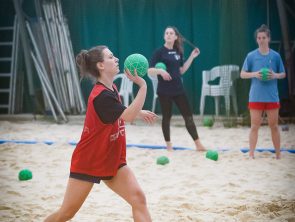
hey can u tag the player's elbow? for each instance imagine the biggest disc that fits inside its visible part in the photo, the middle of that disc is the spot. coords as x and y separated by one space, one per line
243 75
181 70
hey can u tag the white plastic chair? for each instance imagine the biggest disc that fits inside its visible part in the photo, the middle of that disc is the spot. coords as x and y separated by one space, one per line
154 80
228 74
125 88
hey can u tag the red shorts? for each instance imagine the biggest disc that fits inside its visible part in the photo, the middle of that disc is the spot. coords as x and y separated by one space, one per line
263 106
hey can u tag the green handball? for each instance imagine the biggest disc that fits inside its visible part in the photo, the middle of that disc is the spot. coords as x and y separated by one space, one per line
212 155
161 65
264 72
25 174
138 62
208 122
162 160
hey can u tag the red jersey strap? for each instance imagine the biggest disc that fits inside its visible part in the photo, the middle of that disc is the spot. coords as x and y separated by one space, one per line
115 87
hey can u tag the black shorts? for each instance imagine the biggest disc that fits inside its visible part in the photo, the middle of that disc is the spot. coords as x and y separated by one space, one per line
92 179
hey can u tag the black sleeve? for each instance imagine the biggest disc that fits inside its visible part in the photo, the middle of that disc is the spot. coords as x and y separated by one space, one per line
107 106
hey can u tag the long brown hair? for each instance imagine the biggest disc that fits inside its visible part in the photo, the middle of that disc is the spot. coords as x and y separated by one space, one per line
87 60
178 44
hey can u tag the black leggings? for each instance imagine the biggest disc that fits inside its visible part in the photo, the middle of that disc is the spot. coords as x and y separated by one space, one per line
182 103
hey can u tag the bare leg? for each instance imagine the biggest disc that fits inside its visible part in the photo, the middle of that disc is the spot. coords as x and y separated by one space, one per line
169 146
76 193
272 117
199 145
255 124
182 103
126 186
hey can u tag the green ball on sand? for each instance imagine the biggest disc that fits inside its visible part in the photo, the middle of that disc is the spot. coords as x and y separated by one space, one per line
212 155
209 122
25 174
162 160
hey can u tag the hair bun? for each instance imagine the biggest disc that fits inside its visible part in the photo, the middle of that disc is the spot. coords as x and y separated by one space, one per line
81 60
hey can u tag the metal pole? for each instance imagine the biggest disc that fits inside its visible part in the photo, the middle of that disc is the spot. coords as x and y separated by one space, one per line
43 71
56 46
39 72
75 74
81 104
26 47
50 56
36 49
49 88
14 64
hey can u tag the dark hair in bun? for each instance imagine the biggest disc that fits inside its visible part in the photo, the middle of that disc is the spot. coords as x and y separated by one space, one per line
87 60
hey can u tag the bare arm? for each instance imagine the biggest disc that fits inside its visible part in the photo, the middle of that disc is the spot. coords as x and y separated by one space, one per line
154 72
188 62
131 112
271 75
280 75
250 75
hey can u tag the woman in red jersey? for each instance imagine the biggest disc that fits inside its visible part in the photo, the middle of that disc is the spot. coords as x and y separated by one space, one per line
101 151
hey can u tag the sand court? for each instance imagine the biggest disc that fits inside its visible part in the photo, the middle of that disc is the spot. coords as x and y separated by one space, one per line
189 188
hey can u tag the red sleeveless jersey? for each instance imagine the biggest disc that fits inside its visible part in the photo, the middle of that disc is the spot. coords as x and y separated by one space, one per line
102 147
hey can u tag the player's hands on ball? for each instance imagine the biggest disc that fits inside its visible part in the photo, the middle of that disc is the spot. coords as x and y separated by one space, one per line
135 78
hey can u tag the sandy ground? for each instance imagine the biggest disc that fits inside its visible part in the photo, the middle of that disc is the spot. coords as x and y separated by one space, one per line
189 188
